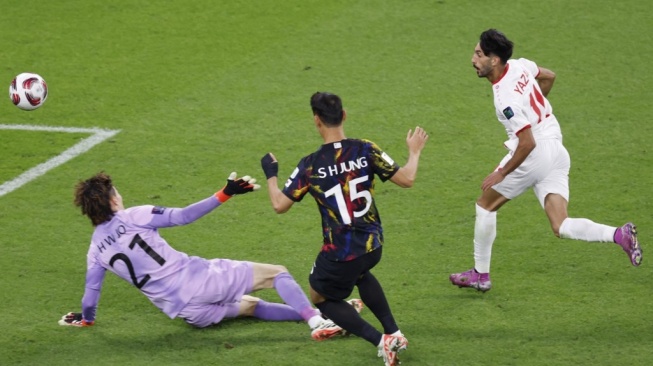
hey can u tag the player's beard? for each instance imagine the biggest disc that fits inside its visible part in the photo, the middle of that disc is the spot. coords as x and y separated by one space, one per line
481 71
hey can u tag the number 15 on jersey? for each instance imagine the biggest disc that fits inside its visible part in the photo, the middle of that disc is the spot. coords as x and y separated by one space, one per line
354 194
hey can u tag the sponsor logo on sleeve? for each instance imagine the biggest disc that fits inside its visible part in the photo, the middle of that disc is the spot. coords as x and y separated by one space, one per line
508 113
292 176
156 210
387 158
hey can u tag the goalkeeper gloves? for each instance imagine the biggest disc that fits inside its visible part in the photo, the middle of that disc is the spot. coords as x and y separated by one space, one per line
74 320
270 165
236 186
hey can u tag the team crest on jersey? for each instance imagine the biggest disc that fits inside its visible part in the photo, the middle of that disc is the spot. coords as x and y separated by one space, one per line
508 113
156 210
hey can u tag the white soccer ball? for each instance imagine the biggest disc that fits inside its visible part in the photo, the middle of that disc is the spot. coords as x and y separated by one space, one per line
28 91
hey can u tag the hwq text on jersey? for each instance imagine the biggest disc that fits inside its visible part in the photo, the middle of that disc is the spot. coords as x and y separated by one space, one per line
120 230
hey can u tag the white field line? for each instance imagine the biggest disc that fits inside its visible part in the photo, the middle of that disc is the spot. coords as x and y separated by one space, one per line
98 135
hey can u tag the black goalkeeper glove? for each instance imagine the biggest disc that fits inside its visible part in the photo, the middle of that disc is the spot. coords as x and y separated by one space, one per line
74 320
236 186
270 165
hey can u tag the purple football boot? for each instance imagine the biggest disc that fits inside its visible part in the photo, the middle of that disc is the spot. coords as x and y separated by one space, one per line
473 279
626 236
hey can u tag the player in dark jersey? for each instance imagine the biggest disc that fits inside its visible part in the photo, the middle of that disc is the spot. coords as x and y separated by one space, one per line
340 177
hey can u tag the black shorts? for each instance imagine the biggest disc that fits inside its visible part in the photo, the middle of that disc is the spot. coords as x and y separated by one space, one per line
336 280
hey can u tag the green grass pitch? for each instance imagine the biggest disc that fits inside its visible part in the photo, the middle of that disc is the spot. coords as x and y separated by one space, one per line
201 88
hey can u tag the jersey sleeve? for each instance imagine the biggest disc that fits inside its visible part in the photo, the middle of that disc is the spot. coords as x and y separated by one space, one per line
298 183
513 116
94 277
158 217
530 66
510 104
384 166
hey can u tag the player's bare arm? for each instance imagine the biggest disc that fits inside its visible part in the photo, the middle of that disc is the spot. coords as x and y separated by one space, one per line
280 203
405 176
524 148
270 165
545 79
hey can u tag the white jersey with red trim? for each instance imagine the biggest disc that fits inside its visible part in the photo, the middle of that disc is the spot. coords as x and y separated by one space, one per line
520 104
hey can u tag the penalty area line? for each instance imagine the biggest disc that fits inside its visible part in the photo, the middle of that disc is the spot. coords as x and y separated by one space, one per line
98 135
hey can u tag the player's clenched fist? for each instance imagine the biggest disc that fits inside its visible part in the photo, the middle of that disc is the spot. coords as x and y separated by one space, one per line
270 165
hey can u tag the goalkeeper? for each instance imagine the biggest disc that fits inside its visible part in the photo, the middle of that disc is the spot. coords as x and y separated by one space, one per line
200 291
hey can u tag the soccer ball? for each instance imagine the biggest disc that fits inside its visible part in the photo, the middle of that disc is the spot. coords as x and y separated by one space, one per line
28 91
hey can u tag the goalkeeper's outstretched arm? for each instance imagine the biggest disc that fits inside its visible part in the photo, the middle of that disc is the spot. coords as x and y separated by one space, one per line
192 212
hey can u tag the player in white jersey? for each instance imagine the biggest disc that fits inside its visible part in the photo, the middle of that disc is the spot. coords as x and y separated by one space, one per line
200 291
536 158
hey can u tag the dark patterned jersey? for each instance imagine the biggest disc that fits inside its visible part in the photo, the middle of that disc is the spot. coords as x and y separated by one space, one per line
340 176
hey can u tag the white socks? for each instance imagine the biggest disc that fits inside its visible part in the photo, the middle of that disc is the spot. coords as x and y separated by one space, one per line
315 321
485 231
587 230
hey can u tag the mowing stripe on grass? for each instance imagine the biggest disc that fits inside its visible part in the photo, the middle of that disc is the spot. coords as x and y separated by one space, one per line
98 135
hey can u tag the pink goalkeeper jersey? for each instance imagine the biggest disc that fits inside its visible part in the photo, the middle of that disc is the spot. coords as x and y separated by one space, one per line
130 246
520 104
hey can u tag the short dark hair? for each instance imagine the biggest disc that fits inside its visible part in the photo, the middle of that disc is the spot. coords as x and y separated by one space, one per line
496 43
94 197
328 107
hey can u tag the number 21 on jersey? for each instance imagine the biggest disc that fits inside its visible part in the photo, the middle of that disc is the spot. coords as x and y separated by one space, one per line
130 267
